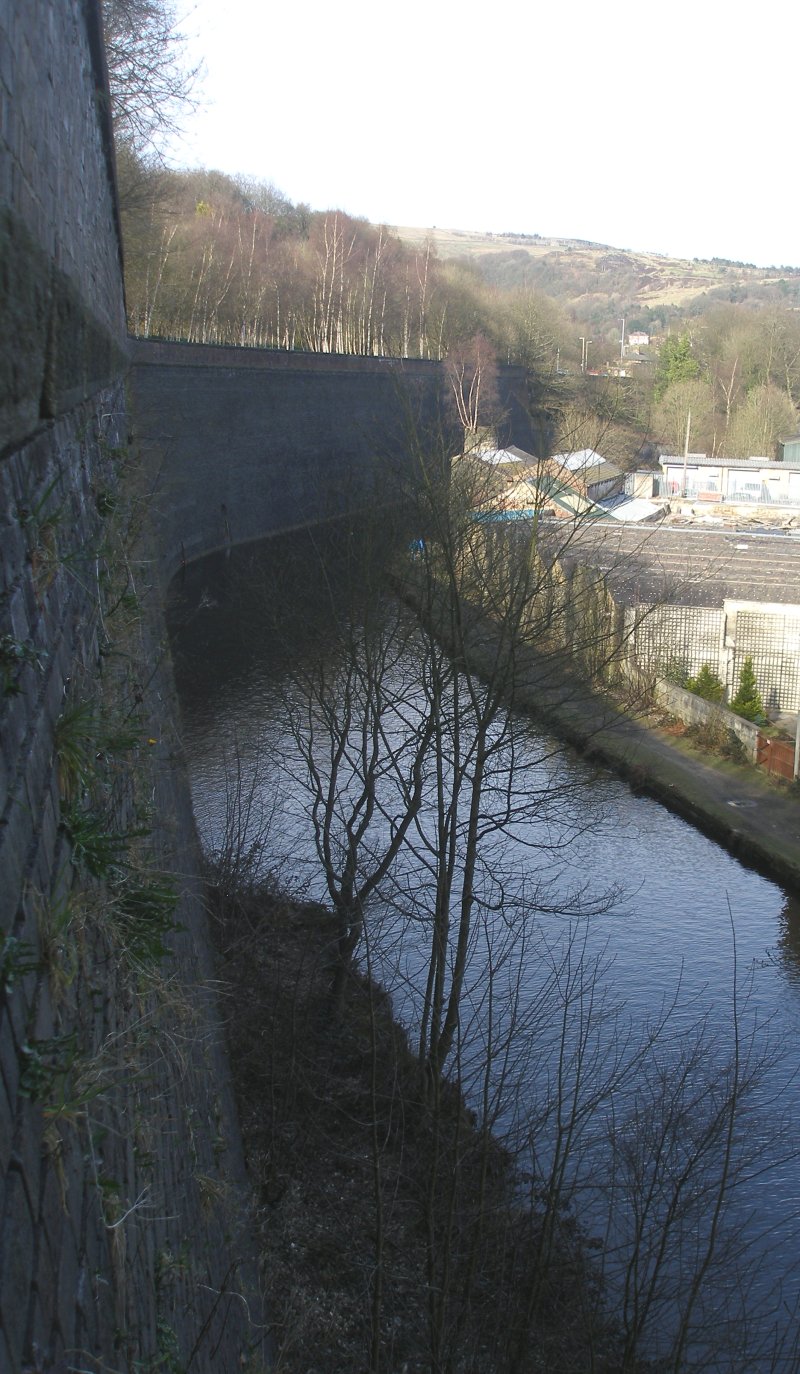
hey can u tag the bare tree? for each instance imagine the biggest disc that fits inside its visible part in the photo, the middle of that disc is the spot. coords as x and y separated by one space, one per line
418 774
152 83
364 749
472 375
415 767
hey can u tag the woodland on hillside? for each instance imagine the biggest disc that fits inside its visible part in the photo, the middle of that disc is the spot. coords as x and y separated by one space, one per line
217 259
212 258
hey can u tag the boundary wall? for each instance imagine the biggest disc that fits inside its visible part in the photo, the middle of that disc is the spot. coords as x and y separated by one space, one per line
693 710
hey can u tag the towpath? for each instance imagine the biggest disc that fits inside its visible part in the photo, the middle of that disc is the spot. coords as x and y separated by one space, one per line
738 805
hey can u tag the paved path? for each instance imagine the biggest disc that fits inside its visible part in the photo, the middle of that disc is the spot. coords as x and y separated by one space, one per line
737 805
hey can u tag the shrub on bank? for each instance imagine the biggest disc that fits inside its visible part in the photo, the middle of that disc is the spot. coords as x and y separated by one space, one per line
707 684
747 701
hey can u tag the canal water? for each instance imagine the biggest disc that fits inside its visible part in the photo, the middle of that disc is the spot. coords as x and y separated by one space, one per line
655 975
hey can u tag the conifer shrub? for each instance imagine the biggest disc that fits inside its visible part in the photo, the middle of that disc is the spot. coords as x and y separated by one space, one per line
747 702
707 685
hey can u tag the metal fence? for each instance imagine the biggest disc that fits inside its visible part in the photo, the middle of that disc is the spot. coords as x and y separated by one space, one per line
751 493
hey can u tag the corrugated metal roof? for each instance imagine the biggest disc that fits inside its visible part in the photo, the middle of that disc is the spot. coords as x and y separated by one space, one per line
497 456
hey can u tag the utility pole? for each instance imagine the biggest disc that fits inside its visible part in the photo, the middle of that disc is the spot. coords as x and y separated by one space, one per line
622 341
686 448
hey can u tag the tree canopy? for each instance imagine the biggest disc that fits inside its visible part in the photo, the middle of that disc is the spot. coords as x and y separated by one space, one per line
150 79
676 363
747 701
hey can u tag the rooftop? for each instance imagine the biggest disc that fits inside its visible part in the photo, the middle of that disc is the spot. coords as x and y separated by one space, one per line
700 460
580 460
695 567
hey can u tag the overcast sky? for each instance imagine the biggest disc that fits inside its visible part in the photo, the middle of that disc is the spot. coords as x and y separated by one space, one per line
669 127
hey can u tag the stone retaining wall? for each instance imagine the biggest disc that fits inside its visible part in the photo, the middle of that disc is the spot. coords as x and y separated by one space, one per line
247 442
124 1223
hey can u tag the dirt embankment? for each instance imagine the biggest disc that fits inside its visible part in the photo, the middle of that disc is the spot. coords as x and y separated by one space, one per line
391 1230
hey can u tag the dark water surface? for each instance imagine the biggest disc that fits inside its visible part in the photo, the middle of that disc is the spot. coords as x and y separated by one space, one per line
689 935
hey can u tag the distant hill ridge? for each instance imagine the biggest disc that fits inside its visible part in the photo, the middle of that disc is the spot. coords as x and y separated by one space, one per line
599 282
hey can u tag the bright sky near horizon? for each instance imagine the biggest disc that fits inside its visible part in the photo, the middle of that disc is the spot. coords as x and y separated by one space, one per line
669 128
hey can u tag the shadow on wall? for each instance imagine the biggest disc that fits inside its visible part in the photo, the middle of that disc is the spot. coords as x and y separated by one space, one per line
245 443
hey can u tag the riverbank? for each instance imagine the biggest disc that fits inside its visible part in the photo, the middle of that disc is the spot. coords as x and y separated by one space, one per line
391 1232
754 817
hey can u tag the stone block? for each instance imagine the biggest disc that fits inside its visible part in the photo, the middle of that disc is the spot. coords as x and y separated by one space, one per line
26 1157
67 1301
15 619
6 778
56 1361
38 768
9 1059
6 1128
15 835
51 1219
6 1362
16 1267
40 1326
16 712
6 67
